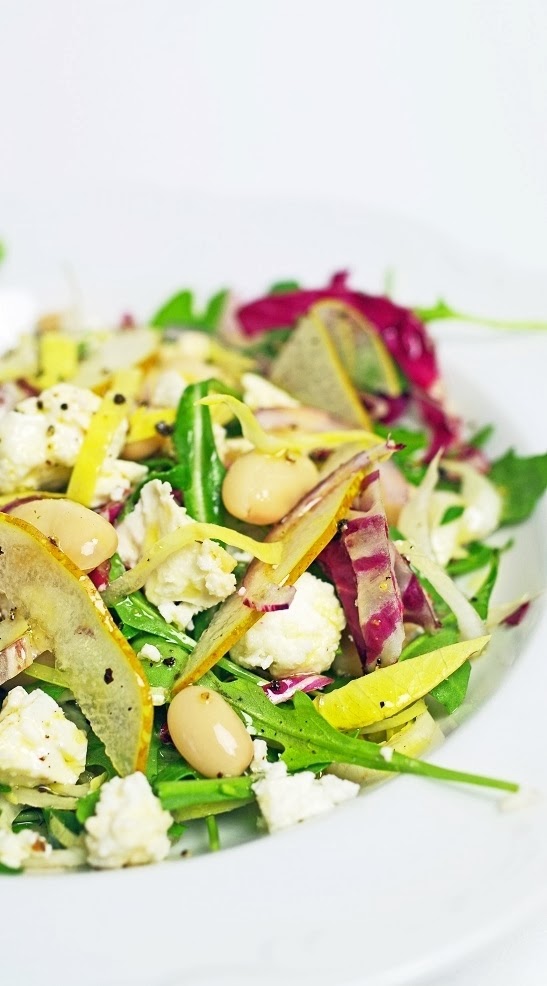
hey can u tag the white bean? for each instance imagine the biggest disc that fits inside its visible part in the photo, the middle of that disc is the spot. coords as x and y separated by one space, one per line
261 489
84 536
208 734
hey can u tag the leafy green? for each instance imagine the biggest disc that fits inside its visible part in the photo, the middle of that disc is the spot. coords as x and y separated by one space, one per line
9 870
441 311
213 833
308 740
180 312
481 437
137 613
200 795
452 691
478 556
270 343
5 788
161 674
520 482
283 287
481 600
97 755
86 806
202 469
452 513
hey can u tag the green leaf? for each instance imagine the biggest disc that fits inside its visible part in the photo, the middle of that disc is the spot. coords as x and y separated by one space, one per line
270 343
481 600
308 740
86 806
283 287
452 513
161 674
481 437
202 469
180 312
441 311
479 555
212 833
428 642
9 870
452 691
173 475
189 796
137 613
5 788
520 482
96 754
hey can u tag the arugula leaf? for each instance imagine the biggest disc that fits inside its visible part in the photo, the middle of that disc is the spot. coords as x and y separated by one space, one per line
452 691
283 287
441 310
180 312
97 755
520 482
9 870
481 600
308 740
452 513
196 798
481 437
137 613
479 555
86 806
202 469
161 674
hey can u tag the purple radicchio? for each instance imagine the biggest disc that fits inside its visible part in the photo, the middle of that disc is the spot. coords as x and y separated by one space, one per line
283 689
359 563
404 335
417 606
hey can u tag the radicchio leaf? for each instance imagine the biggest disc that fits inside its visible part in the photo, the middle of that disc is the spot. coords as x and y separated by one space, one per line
284 688
417 607
401 330
360 564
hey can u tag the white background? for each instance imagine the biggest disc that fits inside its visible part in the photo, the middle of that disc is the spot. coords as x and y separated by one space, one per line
434 110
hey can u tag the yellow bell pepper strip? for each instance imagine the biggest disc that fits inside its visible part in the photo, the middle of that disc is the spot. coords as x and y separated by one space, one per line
267 551
305 532
144 420
127 381
95 447
295 441
381 694
57 358
101 670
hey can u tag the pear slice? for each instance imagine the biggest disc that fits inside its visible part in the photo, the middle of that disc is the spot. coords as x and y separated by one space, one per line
62 607
116 351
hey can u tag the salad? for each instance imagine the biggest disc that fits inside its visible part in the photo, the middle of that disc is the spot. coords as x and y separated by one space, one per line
246 563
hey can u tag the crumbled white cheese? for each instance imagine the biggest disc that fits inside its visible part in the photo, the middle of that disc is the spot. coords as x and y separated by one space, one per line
150 652
168 389
18 847
38 744
302 638
193 579
88 547
116 478
41 438
259 392
158 695
285 799
129 826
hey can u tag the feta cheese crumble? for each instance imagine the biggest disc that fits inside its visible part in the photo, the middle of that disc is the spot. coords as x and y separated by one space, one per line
151 653
302 638
18 847
38 744
129 827
194 578
285 799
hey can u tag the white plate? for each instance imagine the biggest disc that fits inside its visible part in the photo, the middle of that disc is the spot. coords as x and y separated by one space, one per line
411 878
